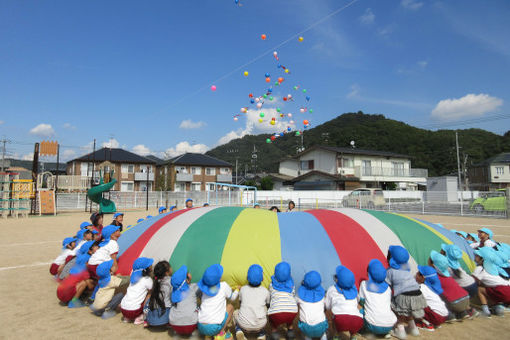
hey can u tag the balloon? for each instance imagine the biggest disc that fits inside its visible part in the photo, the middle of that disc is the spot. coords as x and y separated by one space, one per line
268 140
307 98
311 110
279 65
244 110
302 110
275 54
261 120
252 101
270 90
236 119
213 88
277 83
305 122
262 115
246 73
295 87
284 99
278 109
259 105
271 98
263 37
268 75
304 90
298 133
281 134
250 95
273 122
300 39
289 96
287 70
280 80
282 115
273 138
289 129
292 122
268 80
257 99
273 118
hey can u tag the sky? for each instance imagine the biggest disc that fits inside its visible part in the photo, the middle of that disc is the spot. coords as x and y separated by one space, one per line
138 75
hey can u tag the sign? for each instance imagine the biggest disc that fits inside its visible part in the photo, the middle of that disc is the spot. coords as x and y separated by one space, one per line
48 148
47 202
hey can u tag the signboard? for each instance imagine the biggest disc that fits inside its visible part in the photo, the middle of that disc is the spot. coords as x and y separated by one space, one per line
47 202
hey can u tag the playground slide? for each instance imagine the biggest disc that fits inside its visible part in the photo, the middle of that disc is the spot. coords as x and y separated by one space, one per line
95 194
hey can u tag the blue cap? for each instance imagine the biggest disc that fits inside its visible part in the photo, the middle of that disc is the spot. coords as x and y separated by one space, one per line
103 273
188 200
399 257
210 282
206 204
85 247
345 283
80 233
487 231
80 265
117 215
440 263
256 205
139 265
431 278
148 216
67 241
179 284
490 261
173 207
453 254
161 209
282 280
139 220
311 289
475 236
462 233
255 275
376 277
107 233
84 225
94 231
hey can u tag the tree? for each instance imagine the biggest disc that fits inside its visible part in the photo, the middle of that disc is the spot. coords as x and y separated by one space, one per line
266 183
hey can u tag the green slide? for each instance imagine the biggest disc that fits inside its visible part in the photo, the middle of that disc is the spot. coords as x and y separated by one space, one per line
95 194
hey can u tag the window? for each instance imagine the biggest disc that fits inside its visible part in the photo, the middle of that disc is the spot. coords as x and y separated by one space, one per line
210 187
144 168
500 170
127 186
181 170
225 171
196 186
366 168
210 171
306 165
345 162
86 169
196 170
398 168
180 186
127 168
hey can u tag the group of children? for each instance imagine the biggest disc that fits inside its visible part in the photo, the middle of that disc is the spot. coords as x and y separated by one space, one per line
391 302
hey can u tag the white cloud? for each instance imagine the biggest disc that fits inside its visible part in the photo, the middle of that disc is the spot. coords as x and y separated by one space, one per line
184 147
423 64
412 5
189 124
43 130
368 17
112 143
68 154
354 91
471 105
28 157
1 122
142 150
385 31
69 126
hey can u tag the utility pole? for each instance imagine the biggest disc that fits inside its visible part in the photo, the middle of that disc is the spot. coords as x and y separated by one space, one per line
458 159
4 141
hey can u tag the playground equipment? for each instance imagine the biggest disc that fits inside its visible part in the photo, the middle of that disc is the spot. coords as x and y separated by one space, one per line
15 195
319 240
95 194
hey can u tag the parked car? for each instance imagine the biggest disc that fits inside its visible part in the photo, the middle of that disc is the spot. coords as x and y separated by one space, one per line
364 198
491 201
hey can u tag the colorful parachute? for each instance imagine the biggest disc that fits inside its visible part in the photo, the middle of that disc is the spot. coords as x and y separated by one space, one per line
317 239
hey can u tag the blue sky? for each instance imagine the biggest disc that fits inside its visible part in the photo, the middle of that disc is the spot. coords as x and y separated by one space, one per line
138 74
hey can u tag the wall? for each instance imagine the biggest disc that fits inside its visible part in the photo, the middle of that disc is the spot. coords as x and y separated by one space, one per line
500 178
289 167
324 161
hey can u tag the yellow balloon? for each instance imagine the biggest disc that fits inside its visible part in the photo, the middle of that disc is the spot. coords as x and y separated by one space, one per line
261 120
246 73
273 122
300 39
287 70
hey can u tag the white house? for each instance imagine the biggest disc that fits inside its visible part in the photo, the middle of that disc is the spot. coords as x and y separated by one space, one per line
493 173
334 168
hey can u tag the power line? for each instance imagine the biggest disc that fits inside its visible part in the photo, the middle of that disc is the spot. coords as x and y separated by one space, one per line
499 116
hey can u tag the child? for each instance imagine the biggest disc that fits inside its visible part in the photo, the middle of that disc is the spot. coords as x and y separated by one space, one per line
456 297
466 281
173 208
65 256
375 297
341 300
138 292
83 236
97 221
252 314
162 210
472 238
485 236
189 203
493 283
108 250
110 292
139 220
408 302
291 206
86 225
184 311
159 303
214 313
283 306
311 302
436 313
460 233
118 218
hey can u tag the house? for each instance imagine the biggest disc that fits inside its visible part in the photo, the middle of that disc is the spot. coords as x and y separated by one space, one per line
335 168
194 172
132 172
24 167
491 174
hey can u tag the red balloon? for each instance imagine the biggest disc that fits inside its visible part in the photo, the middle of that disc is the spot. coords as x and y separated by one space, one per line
263 37
305 122
273 118
280 80
284 99
268 80
273 138
250 95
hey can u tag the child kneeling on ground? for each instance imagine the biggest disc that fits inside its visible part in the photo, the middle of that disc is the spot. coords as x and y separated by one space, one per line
184 310
252 315
138 292
158 306
436 312
65 256
312 319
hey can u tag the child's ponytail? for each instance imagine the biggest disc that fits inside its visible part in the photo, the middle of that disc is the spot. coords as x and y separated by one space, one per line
157 299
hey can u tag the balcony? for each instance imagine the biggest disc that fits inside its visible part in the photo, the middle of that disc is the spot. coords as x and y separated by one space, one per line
142 176
224 178
361 172
180 177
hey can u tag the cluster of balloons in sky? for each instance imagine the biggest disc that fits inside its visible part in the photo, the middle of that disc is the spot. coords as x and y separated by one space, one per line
270 95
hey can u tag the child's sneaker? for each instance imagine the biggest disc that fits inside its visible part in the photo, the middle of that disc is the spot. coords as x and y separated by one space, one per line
276 336
228 335
425 326
291 335
108 314
75 303
220 336
240 334
261 336
399 334
499 310
139 320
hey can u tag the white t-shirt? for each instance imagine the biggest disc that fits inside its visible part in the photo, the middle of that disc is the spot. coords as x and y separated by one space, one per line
339 305
434 301
488 243
311 313
464 280
136 294
377 307
78 246
61 259
104 253
282 302
489 280
213 308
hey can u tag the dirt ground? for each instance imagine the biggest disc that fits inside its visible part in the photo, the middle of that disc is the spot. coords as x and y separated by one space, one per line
31 309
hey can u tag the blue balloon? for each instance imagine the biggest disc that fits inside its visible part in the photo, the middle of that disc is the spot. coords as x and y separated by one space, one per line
307 98
267 75
252 101
289 129
281 134
279 65
269 90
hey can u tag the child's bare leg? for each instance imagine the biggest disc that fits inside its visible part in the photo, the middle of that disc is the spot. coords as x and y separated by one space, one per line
482 295
230 311
80 288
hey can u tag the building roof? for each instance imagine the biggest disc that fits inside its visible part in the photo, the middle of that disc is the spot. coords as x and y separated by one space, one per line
353 151
197 159
43 166
326 175
500 158
158 160
114 156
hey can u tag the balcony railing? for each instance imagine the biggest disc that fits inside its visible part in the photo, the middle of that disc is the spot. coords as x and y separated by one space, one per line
390 172
180 177
224 178
142 176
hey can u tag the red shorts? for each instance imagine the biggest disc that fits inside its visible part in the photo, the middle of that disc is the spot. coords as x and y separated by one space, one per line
184 330
499 294
348 323
92 271
54 269
132 314
67 288
284 318
69 258
433 317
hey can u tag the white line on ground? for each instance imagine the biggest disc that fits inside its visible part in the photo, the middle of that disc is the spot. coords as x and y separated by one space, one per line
37 264
501 235
477 225
27 244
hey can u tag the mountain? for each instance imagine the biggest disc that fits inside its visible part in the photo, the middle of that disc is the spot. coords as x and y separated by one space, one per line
433 150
